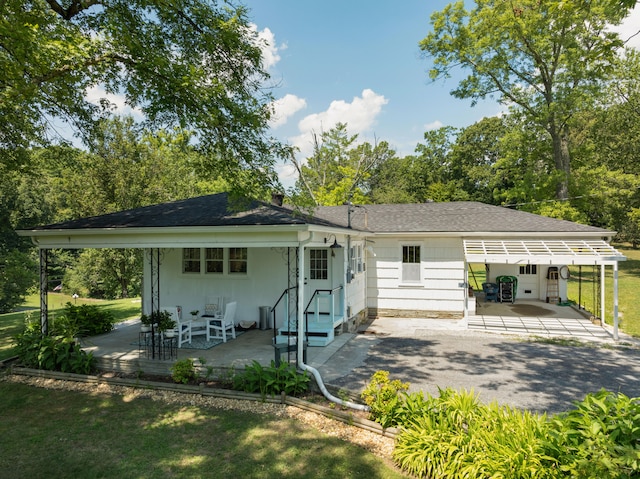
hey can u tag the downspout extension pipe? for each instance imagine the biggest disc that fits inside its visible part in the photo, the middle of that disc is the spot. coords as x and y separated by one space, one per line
300 355
327 394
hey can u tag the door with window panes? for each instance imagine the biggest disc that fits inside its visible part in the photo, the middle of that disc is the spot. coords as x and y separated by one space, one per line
318 274
528 281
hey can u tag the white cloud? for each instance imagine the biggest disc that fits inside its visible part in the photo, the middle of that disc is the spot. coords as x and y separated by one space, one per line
434 125
284 108
359 115
270 50
97 93
628 29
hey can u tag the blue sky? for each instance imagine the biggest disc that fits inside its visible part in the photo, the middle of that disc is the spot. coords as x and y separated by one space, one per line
356 62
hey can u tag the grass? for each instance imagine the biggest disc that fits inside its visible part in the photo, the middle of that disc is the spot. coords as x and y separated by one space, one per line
628 291
57 433
12 323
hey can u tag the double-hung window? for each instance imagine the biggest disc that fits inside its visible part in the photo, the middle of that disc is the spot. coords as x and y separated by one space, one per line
411 264
191 260
214 260
238 259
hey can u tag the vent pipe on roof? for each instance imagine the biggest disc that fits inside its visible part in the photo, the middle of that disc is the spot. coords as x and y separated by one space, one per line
277 199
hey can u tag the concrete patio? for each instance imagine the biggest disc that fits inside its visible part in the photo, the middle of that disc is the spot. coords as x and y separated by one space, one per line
118 350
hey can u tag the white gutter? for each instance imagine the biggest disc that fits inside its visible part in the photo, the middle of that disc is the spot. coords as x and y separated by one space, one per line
301 324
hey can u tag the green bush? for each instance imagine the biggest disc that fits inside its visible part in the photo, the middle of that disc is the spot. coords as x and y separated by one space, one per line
271 380
183 371
52 352
600 438
83 320
384 398
455 436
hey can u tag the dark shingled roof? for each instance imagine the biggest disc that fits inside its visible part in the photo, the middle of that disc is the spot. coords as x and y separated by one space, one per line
458 217
217 210
209 210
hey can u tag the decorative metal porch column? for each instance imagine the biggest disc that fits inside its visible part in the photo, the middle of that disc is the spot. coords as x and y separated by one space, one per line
44 281
154 266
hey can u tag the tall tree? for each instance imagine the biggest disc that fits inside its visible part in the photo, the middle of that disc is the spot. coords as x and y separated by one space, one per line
193 64
545 57
339 169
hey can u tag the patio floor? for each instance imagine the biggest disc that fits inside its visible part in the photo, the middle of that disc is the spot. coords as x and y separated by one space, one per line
536 318
118 350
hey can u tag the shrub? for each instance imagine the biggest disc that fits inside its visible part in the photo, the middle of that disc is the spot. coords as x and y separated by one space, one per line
271 380
83 320
183 371
383 397
599 438
457 436
52 352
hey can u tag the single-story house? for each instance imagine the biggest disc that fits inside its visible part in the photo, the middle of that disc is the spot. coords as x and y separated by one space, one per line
333 266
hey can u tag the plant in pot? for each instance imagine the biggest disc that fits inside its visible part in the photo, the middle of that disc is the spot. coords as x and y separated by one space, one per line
146 321
166 323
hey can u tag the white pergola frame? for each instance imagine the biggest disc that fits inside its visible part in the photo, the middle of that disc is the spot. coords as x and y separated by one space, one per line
552 252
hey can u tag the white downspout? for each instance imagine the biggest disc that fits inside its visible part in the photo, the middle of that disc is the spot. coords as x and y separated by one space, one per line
615 300
301 326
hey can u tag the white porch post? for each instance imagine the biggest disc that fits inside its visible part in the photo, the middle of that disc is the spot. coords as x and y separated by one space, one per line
301 324
615 299
603 309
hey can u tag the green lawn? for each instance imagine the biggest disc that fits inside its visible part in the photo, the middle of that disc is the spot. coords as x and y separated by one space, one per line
12 323
60 434
628 290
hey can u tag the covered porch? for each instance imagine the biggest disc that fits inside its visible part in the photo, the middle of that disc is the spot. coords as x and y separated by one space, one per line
120 350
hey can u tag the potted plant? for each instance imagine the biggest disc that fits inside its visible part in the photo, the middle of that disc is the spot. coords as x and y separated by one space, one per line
166 323
146 323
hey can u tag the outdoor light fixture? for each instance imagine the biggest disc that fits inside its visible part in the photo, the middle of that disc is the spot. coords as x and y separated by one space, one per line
335 244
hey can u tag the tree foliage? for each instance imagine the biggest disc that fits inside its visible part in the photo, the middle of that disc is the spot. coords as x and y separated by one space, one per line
189 64
546 58
339 169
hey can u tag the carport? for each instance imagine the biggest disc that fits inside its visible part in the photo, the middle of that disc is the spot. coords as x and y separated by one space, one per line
551 253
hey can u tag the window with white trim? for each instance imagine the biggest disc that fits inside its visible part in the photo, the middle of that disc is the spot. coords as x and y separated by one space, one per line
318 263
214 260
191 260
411 264
356 259
238 260
529 269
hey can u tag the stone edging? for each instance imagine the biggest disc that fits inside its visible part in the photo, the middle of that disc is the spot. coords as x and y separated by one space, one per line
339 415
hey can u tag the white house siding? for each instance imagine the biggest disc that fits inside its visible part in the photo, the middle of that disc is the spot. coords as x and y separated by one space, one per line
439 293
265 280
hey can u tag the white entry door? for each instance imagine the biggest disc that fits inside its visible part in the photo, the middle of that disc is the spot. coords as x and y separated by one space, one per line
528 281
318 264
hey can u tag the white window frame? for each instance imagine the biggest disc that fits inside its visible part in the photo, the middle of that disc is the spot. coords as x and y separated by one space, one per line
411 270
208 261
193 260
237 261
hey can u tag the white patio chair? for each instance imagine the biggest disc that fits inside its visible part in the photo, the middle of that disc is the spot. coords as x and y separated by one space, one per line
183 328
217 328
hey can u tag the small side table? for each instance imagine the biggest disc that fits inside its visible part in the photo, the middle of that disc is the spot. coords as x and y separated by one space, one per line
169 347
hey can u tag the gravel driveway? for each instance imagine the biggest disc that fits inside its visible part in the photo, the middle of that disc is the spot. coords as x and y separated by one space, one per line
537 376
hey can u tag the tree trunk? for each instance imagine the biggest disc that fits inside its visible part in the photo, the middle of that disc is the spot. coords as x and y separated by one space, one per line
562 160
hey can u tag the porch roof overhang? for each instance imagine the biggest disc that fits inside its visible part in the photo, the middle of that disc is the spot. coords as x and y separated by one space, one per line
549 251
183 237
